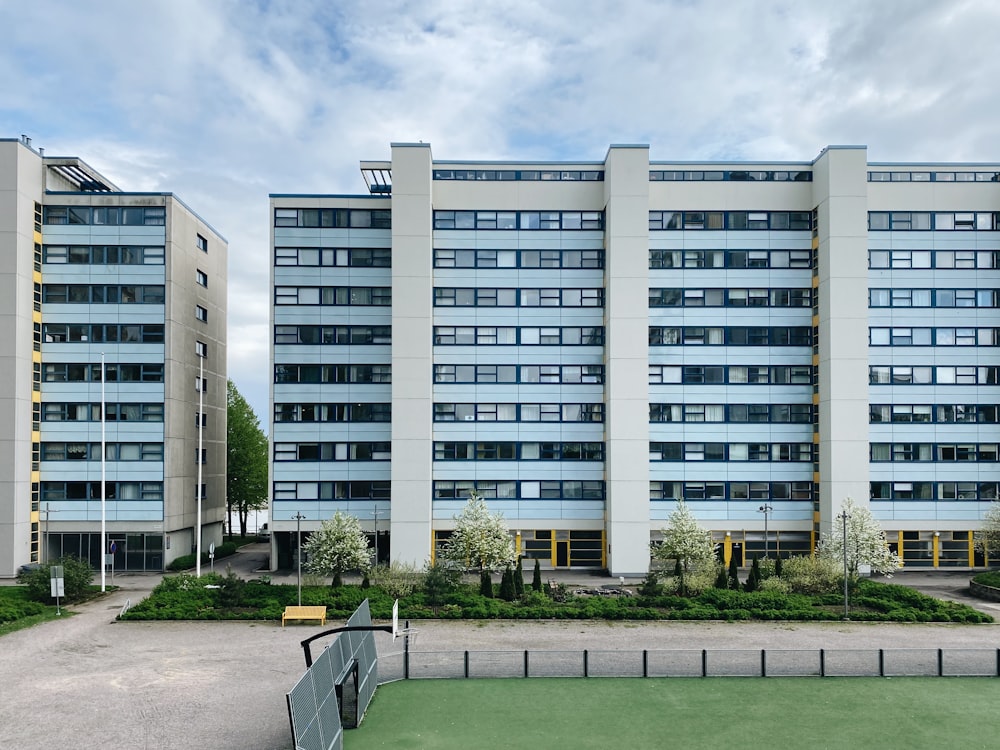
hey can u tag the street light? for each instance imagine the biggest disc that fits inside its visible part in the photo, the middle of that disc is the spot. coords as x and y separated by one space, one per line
844 517
298 549
766 510
375 513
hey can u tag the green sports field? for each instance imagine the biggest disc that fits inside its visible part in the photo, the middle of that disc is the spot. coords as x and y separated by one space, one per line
717 712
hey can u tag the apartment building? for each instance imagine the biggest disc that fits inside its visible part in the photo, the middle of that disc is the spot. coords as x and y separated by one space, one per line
113 299
585 343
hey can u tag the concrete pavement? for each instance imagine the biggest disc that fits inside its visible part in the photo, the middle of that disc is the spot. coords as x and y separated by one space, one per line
90 682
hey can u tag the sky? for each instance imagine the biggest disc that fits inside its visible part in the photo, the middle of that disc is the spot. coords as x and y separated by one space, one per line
223 102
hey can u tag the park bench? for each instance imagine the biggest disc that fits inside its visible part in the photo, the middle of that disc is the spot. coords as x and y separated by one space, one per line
304 613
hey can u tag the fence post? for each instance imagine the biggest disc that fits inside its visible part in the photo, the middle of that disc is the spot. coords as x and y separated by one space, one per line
466 665
763 662
704 662
645 663
822 662
940 662
881 662
586 670
525 662
406 651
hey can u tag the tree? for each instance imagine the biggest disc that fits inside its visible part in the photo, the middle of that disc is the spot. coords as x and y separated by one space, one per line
246 460
866 542
519 578
480 540
337 546
685 541
988 537
536 577
507 592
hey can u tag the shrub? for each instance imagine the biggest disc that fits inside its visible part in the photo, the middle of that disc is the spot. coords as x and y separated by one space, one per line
398 580
186 562
485 584
440 579
734 574
519 578
812 575
650 585
536 577
989 578
77 577
507 592
775 584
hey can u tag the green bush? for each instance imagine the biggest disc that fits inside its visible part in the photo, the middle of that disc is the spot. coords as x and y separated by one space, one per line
399 580
11 611
186 562
989 578
811 575
440 579
77 577
186 597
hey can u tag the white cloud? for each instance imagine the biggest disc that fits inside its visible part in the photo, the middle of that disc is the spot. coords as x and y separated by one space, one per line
224 102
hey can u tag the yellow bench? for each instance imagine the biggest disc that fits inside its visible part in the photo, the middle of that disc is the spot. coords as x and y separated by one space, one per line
304 613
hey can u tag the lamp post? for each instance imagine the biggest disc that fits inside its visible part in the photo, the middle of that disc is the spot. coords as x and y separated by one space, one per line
844 517
298 549
766 510
375 513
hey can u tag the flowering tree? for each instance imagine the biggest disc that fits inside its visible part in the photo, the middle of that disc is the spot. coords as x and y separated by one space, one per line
866 542
338 545
685 541
480 539
988 537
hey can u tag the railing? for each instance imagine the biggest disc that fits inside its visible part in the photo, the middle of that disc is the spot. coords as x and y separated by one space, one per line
895 662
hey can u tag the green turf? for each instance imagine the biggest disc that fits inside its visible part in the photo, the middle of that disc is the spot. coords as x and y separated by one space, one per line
717 712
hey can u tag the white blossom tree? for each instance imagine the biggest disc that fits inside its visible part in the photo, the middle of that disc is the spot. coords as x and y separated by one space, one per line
685 541
988 537
338 545
866 542
481 539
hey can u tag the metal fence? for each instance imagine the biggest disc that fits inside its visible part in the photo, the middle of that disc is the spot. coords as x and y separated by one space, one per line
895 662
339 684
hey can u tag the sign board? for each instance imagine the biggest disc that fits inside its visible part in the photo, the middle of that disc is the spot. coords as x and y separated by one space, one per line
114 547
56 581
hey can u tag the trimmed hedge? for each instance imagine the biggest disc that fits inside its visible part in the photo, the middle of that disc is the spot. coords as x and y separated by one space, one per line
185 597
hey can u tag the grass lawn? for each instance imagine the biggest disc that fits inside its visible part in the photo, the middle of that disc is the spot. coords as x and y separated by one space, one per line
631 714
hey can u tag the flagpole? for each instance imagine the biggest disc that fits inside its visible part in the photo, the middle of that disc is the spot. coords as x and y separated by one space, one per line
201 432
104 530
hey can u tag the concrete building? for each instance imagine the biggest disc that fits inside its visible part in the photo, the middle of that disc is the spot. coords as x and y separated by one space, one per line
89 271
584 343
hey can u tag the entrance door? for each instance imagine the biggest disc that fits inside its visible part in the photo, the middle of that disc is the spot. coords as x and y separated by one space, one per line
562 554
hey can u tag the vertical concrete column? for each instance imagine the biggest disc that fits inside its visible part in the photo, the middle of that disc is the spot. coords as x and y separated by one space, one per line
840 186
626 319
412 353
21 184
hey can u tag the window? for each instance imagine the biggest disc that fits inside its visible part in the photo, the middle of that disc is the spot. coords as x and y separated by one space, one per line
201 313
201 278
201 385
201 348
202 243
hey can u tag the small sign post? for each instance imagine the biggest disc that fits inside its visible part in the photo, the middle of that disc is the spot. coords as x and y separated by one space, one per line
211 555
109 560
57 583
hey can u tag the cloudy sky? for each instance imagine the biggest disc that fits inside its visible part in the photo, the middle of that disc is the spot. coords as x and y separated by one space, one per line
225 101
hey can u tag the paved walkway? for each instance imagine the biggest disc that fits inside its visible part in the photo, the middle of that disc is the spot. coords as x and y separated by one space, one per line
88 681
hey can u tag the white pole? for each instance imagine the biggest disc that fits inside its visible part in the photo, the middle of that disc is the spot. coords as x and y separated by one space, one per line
197 489
104 530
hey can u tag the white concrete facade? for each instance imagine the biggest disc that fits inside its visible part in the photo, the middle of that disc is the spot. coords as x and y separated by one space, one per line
585 343
139 279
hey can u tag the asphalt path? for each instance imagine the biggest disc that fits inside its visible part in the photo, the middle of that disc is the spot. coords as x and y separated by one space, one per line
87 681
